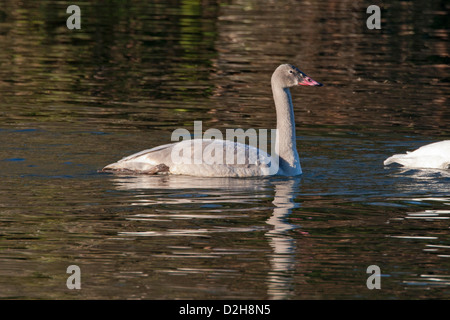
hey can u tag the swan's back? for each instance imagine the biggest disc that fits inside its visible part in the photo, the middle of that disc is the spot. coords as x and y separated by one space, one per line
435 155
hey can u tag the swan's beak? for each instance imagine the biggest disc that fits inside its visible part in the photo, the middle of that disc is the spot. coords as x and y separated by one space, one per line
307 81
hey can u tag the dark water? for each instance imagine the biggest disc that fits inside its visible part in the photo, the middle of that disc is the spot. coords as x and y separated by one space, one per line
72 101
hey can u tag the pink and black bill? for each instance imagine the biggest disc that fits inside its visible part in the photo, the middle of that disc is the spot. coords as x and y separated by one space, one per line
305 80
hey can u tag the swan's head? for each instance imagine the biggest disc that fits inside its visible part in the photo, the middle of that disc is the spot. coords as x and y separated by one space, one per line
288 75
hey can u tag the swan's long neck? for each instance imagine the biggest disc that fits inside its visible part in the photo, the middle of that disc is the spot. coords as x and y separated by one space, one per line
286 139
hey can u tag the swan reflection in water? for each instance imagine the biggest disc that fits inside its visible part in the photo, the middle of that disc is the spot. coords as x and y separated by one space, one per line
413 181
229 190
280 282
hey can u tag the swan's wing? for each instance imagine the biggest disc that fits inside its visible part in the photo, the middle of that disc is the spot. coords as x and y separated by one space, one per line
434 155
142 161
441 149
221 158
149 154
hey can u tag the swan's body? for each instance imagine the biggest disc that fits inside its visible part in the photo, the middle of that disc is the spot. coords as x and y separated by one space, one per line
206 163
149 161
431 156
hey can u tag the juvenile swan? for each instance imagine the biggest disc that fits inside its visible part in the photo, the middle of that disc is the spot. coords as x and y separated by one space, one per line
285 162
431 156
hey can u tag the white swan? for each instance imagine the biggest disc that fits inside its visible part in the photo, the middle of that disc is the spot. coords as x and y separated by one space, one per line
431 156
257 162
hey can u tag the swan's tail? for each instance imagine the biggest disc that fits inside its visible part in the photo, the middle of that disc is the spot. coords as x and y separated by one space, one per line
402 159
